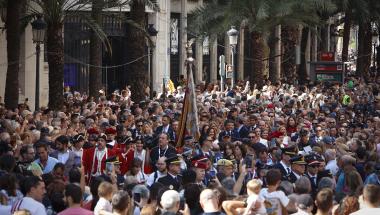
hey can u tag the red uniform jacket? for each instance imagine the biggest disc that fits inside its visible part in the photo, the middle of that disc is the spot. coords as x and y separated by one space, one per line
90 161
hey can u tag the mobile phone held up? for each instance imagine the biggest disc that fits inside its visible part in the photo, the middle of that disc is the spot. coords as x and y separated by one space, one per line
109 168
137 197
212 174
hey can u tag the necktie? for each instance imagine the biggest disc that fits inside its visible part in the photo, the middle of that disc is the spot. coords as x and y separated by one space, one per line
288 169
313 179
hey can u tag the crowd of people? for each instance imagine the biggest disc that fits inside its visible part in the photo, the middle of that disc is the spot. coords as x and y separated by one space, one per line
281 149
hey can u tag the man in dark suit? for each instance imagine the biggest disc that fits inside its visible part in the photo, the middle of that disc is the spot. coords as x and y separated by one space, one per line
162 150
298 168
172 180
165 128
312 172
63 154
284 165
229 131
242 130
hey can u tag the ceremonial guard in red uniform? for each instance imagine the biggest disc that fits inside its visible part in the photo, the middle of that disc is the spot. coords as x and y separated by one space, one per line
93 159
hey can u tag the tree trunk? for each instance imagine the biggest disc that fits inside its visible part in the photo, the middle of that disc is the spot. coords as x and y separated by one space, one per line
56 63
364 49
274 52
257 76
302 73
346 35
95 79
13 52
137 71
323 40
289 38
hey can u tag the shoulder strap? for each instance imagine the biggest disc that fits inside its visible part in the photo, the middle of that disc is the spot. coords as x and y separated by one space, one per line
155 177
16 206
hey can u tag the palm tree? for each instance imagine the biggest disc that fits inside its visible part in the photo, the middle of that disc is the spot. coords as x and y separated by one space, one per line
54 13
216 17
365 37
95 76
96 41
261 17
289 39
353 10
13 31
137 74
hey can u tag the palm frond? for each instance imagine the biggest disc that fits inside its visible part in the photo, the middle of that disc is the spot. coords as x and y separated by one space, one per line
97 29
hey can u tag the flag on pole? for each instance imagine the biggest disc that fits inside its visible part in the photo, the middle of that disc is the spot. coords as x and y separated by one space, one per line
189 117
171 86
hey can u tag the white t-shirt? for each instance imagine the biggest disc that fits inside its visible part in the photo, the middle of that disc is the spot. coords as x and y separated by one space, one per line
33 206
251 201
103 204
367 211
274 200
5 209
151 180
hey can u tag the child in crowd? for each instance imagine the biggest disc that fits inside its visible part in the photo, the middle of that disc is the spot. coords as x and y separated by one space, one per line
254 200
275 200
105 191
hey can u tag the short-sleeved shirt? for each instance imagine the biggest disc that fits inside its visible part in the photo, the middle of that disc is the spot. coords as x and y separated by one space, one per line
51 162
75 211
103 204
35 207
274 201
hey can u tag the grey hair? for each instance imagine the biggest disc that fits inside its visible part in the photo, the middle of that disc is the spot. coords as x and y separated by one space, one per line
304 201
330 154
169 199
228 183
302 185
142 190
287 187
326 182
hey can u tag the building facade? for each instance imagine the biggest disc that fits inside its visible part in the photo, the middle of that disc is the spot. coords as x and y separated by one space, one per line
167 61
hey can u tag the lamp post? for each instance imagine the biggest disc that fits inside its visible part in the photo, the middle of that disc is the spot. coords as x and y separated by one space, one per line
233 37
153 37
38 30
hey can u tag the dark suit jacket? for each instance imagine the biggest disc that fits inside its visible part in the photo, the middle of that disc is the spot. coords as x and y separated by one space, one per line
69 163
154 154
284 172
170 132
314 186
243 132
172 183
292 178
234 135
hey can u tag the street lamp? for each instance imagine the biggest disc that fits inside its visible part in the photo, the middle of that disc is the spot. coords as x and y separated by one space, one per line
153 37
233 37
38 30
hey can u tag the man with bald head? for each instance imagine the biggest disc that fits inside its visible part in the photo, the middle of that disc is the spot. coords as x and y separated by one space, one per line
210 203
159 173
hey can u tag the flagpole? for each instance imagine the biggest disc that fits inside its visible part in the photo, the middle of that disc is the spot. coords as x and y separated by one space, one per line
189 117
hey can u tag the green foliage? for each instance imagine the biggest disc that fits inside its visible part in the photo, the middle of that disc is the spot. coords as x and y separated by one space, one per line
258 15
